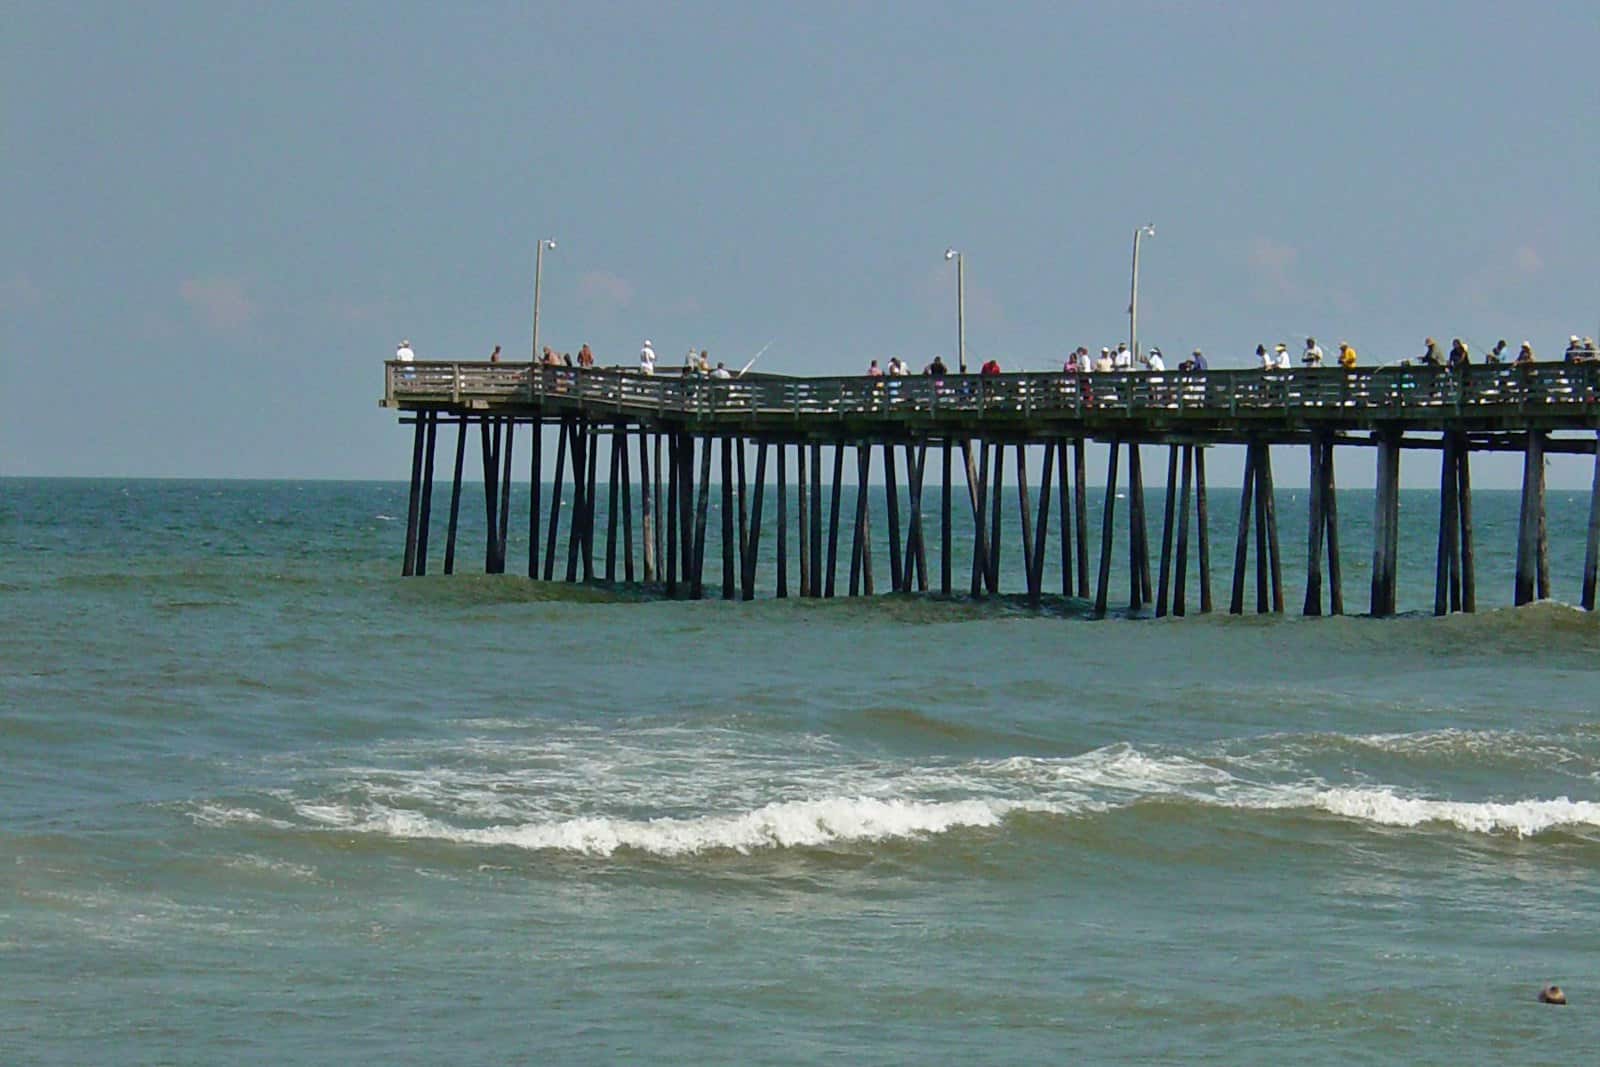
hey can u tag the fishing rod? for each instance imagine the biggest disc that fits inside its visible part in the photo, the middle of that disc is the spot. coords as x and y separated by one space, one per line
753 359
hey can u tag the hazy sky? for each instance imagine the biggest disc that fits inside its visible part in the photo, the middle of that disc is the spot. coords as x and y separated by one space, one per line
220 217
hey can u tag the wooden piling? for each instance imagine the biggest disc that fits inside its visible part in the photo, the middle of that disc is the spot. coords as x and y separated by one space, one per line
647 509
555 498
689 536
1527 524
833 519
579 455
1167 532
503 530
1542 531
535 492
729 590
419 433
1262 558
1025 516
702 505
816 519
1202 522
1042 532
1106 531
674 511
455 499
1269 496
1064 503
744 501
592 450
620 439
1591 554
944 526
1330 509
613 490
992 571
1180 584
1469 568
753 540
977 491
1080 507
425 520
655 501
804 540
1447 523
489 438
1138 534
1241 545
891 504
1316 529
858 527
782 590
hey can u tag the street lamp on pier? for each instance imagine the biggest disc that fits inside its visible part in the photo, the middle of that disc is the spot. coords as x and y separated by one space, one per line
538 278
961 307
1147 230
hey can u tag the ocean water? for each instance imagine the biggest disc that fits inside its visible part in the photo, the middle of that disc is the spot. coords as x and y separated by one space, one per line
262 800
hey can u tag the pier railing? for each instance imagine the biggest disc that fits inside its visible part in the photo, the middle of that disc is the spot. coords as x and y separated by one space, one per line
1547 389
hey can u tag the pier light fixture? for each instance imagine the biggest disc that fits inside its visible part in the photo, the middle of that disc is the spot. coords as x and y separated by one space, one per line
1147 230
961 306
538 278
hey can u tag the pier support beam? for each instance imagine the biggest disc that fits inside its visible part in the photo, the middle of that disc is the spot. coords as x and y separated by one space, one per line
803 496
703 503
1107 520
782 590
891 503
555 498
455 498
833 520
408 566
1386 526
945 562
753 538
729 590
1532 563
1591 554
1163 584
1180 584
1080 507
1202 519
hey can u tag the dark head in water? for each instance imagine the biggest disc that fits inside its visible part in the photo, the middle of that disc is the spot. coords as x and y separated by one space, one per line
1552 994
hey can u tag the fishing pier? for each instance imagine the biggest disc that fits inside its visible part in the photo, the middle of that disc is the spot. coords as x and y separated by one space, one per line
659 436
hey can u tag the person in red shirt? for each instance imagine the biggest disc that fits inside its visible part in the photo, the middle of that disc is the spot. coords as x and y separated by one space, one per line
990 367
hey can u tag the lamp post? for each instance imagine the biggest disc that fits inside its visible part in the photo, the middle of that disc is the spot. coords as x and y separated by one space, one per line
961 307
1147 230
538 278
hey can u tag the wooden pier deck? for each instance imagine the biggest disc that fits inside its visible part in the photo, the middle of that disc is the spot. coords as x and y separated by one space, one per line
1055 417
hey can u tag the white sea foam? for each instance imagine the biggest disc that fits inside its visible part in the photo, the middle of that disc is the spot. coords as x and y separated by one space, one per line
793 824
1521 817
222 815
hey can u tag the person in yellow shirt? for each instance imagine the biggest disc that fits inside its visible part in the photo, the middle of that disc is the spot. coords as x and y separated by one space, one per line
1347 356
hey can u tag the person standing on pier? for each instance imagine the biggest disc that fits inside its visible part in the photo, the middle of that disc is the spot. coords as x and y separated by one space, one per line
1154 361
873 370
494 357
1347 356
1281 360
404 353
1312 356
1431 355
585 356
937 368
1123 360
1105 364
647 359
1267 362
1458 354
1496 354
1524 356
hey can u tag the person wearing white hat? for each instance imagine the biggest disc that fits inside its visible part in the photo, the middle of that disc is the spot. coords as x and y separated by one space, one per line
1281 360
404 353
647 358
1574 348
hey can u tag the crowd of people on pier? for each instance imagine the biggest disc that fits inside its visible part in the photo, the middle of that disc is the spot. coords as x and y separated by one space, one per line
1112 359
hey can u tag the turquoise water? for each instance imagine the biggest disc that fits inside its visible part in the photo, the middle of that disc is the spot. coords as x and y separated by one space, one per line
261 800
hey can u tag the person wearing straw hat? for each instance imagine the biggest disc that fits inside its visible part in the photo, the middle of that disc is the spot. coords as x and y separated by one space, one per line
1281 357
